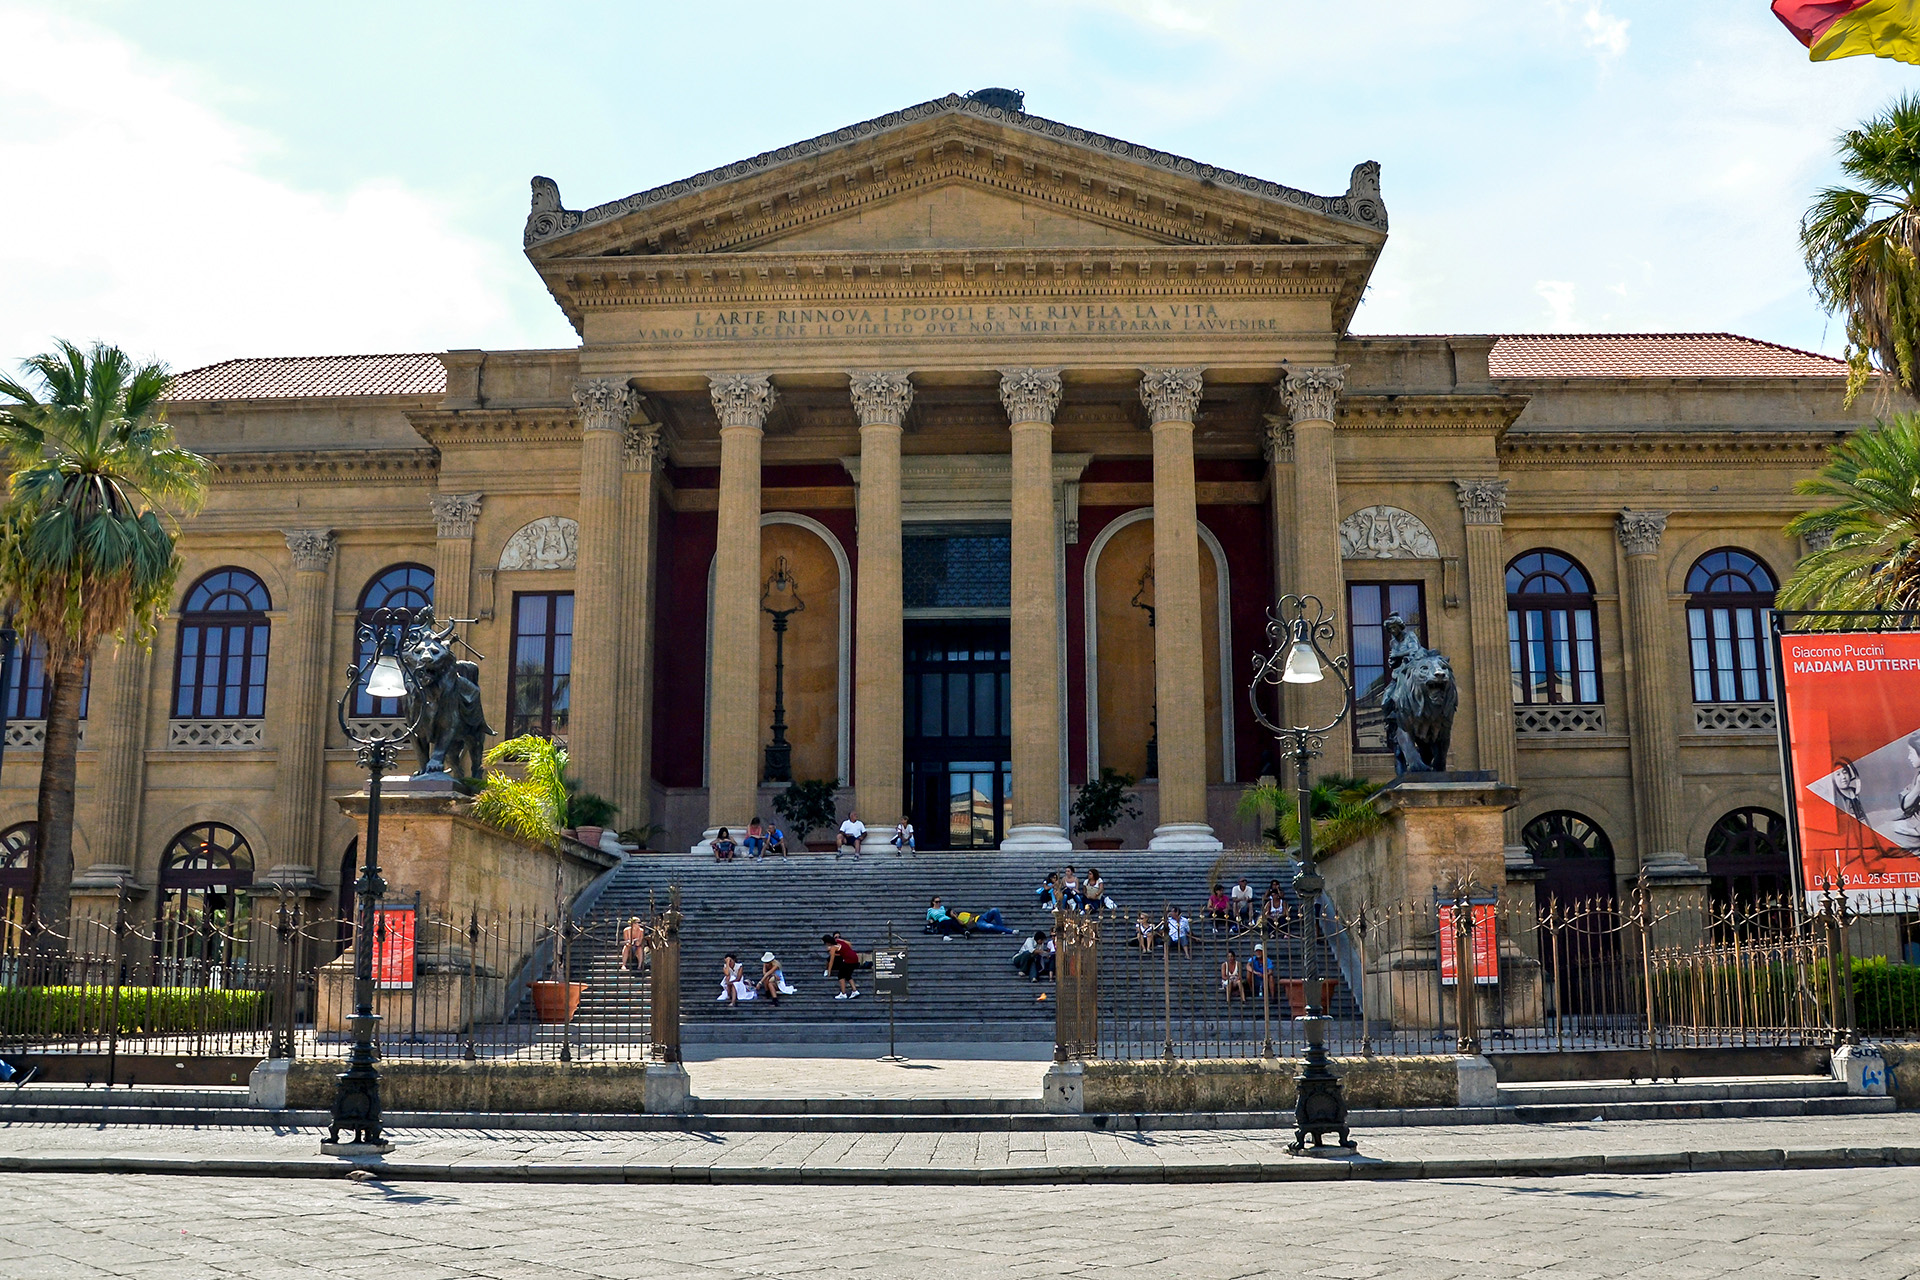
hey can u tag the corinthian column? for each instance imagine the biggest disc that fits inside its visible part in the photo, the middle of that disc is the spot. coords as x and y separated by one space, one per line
454 515
605 405
1654 742
643 458
742 402
1310 394
301 739
1172 396
881 400
1483 506
1031 397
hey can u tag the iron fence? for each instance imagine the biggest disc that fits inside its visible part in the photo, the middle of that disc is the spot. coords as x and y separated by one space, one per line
280 984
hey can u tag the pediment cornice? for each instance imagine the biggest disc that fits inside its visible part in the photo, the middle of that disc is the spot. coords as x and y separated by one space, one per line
1446 413
322 466
1106 180
1729 445
556 424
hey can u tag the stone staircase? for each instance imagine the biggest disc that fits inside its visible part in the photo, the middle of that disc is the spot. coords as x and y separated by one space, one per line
961 988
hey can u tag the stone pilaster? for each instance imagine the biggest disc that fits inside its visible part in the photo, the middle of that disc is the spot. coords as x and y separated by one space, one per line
742 402
882 401
644 459
1483 506
1276 448
1031 397
454 515
117 729
605 406
1644 649
1172 397
301 734
1310 394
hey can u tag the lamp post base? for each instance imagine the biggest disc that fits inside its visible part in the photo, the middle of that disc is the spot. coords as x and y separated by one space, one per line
1320 1103
356 1150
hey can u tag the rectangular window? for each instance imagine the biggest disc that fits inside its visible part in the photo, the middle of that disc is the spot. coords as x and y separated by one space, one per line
1368 604
27 682
542 663
1553 651
1732 652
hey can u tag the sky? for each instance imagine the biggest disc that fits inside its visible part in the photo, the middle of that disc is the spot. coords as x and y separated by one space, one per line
202 180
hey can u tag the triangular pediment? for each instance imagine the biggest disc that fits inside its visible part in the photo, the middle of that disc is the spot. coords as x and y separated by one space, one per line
955 173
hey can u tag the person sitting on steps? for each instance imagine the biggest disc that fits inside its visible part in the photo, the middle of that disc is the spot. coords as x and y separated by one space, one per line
1026 961
1242 897
1219 908
755 841
777 841
633 946
1070 890
1275 914
1145 931
1093 894
938 921
1233 977
903 837
852 832
772 980
733 982
1179 932
723 846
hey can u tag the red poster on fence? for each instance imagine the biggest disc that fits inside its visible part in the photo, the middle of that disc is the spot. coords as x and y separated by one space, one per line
1853 734
1486 946
393 947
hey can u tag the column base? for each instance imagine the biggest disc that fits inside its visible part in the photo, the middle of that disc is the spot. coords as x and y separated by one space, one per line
1185 837
1036 837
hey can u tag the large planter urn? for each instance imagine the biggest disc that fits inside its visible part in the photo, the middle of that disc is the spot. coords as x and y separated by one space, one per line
557 1001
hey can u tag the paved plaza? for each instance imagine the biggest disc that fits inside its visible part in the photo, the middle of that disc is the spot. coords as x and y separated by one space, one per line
1840 1223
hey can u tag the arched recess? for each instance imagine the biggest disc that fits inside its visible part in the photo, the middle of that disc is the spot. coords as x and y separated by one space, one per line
815 656
1124 685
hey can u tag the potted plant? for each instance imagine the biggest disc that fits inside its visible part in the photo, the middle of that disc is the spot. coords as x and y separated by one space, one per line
1100 803
588 814
808 806
558 1001
642 838
532 806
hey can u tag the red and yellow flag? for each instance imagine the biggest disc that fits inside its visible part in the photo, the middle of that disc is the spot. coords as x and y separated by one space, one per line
1844 28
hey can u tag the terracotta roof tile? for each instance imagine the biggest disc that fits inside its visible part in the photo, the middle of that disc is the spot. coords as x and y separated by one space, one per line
290 377
1654 355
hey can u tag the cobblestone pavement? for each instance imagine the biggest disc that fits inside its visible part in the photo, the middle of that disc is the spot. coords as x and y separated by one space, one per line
786 1149
1843 1223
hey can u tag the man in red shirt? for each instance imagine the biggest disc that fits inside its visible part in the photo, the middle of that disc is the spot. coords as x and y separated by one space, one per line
843 961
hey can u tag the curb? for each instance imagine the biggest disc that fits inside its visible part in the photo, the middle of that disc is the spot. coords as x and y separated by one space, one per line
1329 1168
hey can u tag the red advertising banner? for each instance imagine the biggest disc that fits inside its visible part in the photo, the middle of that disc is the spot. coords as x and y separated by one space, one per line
1486 946
393 947
1853 740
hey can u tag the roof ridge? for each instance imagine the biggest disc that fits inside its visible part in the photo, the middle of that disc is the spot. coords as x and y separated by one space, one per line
549 219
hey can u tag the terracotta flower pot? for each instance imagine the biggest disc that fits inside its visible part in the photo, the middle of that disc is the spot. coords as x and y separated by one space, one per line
822 846
588 835
1296 989
1104 842
557 1001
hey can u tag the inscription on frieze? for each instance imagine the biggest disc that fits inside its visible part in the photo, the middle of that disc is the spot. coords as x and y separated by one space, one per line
960 321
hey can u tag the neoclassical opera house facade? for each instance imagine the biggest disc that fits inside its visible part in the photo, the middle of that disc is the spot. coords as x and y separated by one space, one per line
1037 422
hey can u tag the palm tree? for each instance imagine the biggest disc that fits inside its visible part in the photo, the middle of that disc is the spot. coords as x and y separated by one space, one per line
1860 244
1871 530
84 552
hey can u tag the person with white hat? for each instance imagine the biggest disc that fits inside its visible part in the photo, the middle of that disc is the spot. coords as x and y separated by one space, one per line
1257 969
772 980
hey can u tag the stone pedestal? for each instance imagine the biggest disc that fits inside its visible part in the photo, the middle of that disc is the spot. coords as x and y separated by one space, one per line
1679 899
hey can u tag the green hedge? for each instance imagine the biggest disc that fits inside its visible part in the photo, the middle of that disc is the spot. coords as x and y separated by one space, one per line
1886 996
71 1011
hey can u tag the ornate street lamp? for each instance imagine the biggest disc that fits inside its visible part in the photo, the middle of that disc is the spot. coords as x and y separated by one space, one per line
782 600
1296 625
386 633
1143 599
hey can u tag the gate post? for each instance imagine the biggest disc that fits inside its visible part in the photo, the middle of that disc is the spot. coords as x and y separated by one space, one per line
1835 917
666 1089
1076 1011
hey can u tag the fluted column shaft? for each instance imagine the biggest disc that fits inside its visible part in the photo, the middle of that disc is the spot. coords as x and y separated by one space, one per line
118 731
1310 394
742 402
605 405
1031 397
302 738
454 515
645 453
879 676
1483 505
1655 743
1172 397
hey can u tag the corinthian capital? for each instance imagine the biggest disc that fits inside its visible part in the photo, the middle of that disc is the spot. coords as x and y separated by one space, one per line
1483 501
454 514
1030 395
1171 395
742 399
1310 391
1640 531
1277 444
880 398
646 447
312 548
605 404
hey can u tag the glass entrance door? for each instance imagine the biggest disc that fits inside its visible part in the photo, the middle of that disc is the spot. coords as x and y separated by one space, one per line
958 733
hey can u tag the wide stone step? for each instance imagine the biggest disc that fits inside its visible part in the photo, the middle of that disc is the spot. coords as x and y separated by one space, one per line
1709 1089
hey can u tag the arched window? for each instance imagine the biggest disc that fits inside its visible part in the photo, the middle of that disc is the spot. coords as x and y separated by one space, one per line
404 586
1575 854
222 669
1747 856
201 907
1728 595
27 681
17 845
1551 640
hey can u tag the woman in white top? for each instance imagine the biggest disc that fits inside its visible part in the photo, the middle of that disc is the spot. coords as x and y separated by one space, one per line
1095 891
734 986
772 980
903 837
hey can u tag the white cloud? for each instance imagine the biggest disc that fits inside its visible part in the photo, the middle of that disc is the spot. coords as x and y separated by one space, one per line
1604 31
151 222
1559 298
